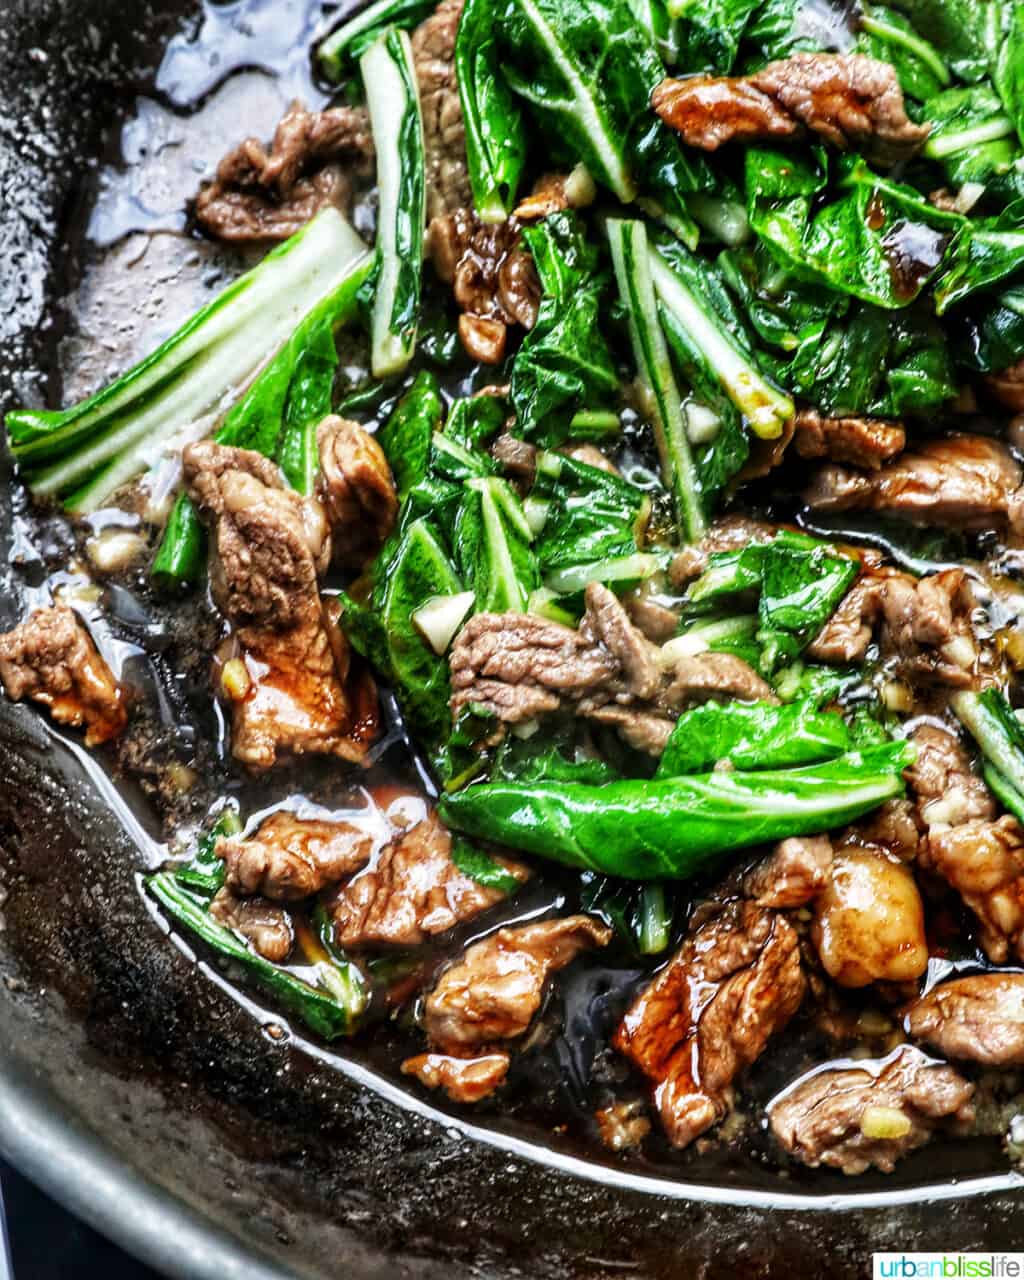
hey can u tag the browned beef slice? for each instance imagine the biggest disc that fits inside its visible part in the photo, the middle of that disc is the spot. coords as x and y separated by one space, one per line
267 926
517 458
51 659
860 442
828 1118
942 782
792 875
444 134
462 1079
492 277
289 857
980 1019
729 534
703 677
412 891
709 1013
356 487
260 195
850 100
967 482
925 623
984 863
493 992
269 546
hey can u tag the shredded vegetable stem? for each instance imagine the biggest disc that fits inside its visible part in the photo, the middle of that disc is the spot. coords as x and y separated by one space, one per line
392 96
631 259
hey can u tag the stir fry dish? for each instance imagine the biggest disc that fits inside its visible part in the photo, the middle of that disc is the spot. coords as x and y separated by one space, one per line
589 596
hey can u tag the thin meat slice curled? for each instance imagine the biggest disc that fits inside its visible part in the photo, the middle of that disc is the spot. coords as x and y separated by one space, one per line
444 133
520 667
966 482
51 659
264 924
984 863
357 489
412 891
945 787
850 100
978 1019
709 1013
859 442
493 993
795 872
285 665
290 857
260 195
872 1114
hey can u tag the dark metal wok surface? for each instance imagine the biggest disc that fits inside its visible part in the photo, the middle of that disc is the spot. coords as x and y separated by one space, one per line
135 1087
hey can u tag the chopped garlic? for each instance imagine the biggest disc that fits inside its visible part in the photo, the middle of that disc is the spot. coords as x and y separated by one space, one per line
884 1122
235 680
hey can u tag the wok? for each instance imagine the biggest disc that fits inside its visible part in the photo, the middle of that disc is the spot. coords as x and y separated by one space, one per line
134 1086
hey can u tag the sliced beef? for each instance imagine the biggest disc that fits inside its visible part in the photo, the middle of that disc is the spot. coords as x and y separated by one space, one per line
962 482
285 665
858 442
978 1019
462 1079
555 192
289 857
984 863
444 133
871 1115
709 1013
51 659
943 783
520 667
868 921
267 926
792 875
850 100
260 195
1008 386
654 616
892 826
492 277
925 623
357 489
517 458
495 990
412 891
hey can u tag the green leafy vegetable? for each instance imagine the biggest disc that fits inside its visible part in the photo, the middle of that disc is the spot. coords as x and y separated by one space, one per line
710 32
955 29
393 99
331 1008
495 132
564 365
672 828
205 872
888 36
656 381
339 52
752 735
482 867
85 453
492 546
990 720
406 436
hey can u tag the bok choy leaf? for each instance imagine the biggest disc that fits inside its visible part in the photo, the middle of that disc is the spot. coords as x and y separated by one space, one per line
393 99
339 52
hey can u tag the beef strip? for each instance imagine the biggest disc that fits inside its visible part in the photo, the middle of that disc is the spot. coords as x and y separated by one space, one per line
412 891
492 277
444 133
520 667
289 857
830 1117
984 863
267 926
259 195
517 458
709 1013
979 1019
961 481
792 875
859 442
1008 386
50 658
462 1079
892 826
357 489
850 100
925 623
269 545
942 782
493 992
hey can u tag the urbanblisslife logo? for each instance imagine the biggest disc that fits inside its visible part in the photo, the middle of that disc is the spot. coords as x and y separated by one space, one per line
948 1266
